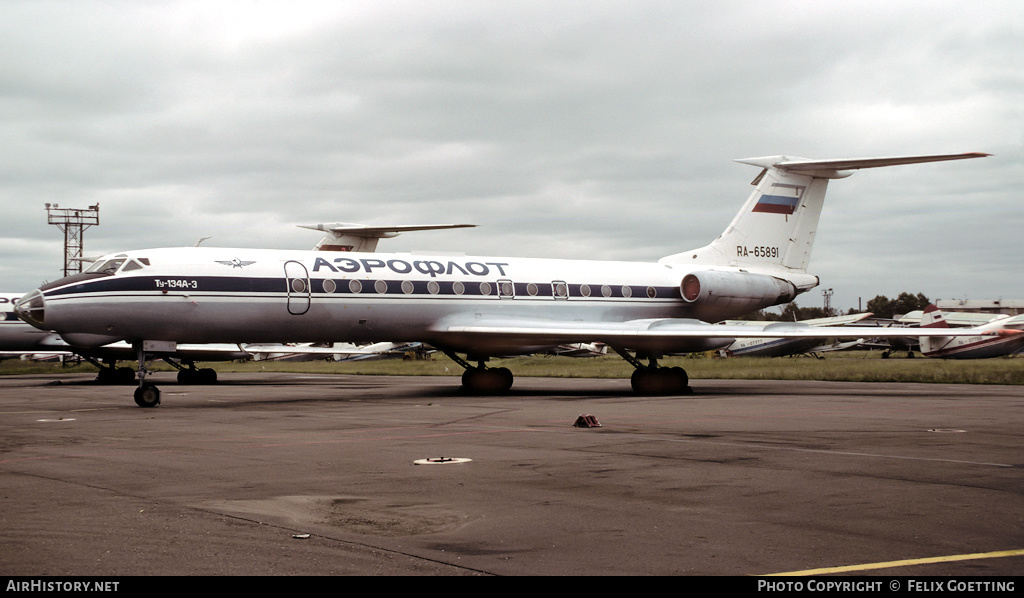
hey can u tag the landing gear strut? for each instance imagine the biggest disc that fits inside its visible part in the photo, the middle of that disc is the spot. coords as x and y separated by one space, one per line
481 379
147 394
652 379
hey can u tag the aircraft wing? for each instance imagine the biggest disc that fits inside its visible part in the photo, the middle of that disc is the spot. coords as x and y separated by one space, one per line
664 334
510 335
256 349
9 354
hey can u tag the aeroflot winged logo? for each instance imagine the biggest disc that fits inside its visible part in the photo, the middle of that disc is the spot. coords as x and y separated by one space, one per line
235 263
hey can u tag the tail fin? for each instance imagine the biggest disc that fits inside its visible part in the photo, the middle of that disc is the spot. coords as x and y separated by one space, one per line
933 318
776 227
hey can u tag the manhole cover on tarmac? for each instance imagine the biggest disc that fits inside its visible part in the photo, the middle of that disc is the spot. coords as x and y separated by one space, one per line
441 460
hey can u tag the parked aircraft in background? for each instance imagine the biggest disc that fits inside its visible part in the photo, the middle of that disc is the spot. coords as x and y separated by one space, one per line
18 338
581 350
953 318
999 337
780 347
913 319
477 306
332 351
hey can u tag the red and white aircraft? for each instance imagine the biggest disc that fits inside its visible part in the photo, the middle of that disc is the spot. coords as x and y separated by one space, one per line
1002 336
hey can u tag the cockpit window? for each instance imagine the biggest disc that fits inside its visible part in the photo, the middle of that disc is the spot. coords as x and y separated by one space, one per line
112 266
131 265
106 266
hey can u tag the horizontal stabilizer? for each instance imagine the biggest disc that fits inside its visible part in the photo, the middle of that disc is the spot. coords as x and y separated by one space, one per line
378 232
838 168
346 236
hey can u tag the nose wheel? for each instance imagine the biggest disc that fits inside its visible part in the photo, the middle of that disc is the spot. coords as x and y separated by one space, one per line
147 395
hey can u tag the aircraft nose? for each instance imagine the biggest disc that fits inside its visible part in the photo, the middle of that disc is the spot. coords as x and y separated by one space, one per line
31 309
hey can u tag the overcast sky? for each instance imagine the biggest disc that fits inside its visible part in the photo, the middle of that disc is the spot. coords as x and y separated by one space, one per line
583 129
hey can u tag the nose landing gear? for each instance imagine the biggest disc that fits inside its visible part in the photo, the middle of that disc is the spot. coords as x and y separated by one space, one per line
147 395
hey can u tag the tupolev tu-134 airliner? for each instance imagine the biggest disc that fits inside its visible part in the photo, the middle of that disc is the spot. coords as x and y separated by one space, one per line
480 307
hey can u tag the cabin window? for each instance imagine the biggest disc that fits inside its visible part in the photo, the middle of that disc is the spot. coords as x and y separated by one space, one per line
561 290
531 289
485 288
626 291
381 286
407 287
433 288
298 285
329 286
354 286
458 288
652 292
606 291
585 290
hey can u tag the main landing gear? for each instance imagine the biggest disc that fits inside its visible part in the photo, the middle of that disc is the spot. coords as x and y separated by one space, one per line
481 379
193 375
652 379
111 374
647 379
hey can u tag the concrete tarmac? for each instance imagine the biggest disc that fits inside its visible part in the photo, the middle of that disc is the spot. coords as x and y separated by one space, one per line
295 474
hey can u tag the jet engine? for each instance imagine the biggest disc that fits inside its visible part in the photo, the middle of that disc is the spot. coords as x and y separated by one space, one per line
735 292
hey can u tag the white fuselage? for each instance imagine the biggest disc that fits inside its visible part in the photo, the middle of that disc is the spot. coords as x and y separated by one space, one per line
207 295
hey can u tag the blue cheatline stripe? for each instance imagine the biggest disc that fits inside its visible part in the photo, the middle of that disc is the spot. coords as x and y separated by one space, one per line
233 284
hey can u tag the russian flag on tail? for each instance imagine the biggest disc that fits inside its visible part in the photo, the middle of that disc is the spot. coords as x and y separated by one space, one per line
776 204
